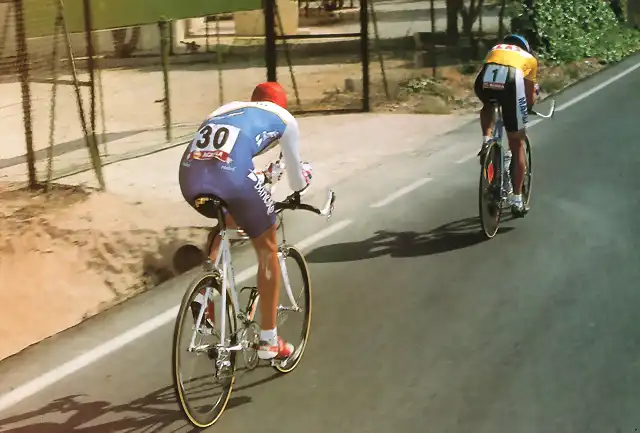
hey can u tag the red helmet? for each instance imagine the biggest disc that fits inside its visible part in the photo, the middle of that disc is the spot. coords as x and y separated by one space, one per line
270 91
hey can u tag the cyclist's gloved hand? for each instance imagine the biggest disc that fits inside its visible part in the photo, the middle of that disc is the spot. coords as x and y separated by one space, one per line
307 172
274 171
263 177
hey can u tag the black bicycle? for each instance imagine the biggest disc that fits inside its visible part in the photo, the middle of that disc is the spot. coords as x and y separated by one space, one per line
494 185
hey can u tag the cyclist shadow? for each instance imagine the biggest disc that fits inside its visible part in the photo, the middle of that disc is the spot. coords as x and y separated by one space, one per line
155 412
448 237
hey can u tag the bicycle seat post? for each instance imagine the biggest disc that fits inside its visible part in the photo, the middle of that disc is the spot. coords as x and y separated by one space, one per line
222 223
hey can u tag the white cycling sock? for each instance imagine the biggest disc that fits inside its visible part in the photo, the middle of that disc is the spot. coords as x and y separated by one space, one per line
486 138
270 336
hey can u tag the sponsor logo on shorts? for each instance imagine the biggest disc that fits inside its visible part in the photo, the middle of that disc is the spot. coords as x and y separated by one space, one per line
493 86
263 192
522 103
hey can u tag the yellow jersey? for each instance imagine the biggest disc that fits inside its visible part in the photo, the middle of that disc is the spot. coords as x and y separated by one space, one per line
510 55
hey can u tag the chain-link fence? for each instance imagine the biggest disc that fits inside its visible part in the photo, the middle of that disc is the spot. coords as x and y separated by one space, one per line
47 106
136 89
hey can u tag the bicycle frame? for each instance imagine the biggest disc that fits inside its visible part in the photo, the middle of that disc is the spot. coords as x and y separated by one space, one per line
223 265
498 129
498 125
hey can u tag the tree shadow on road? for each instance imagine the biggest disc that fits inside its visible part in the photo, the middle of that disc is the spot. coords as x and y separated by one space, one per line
448 237
153 413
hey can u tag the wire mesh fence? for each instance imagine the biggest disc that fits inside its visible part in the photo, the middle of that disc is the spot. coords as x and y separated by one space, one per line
46 109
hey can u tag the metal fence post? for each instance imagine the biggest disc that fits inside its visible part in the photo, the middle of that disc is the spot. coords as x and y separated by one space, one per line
93 143
364 51
23 72
165 42
270 51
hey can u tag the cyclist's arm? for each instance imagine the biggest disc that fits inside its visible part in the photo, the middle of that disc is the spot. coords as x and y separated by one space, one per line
530 80
290 144
530 92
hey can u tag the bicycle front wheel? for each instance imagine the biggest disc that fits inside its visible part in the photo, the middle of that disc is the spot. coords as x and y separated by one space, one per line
203 396
490 191
528 174
294 321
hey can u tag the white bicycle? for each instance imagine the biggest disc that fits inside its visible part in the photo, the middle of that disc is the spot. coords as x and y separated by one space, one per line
197 316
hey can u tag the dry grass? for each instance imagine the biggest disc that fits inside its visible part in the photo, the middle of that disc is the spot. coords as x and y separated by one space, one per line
416 90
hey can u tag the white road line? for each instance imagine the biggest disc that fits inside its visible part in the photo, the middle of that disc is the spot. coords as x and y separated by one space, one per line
46 380
407 189
57 374
334 228
468 157
571 102
598 87
534 122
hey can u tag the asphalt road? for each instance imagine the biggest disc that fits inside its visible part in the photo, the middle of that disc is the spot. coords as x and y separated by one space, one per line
419 324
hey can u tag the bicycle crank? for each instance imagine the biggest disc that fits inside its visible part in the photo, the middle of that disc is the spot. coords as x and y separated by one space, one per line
249 338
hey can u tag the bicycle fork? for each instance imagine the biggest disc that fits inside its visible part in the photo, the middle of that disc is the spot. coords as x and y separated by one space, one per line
282 255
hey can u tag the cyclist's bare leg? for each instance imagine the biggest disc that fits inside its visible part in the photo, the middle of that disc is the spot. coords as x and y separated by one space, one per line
266 246
487 119
231 224
516 144
271 345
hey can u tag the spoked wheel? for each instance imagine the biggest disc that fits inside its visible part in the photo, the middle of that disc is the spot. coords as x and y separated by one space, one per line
528 174
294 323
489 193
203 395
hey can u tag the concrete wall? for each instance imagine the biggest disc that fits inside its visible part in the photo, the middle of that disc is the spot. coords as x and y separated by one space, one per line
43 46
251 23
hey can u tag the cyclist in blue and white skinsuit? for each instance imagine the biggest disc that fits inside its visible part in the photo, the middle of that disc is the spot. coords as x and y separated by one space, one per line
219 161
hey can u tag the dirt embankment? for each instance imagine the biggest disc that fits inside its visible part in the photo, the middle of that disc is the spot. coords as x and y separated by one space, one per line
71 253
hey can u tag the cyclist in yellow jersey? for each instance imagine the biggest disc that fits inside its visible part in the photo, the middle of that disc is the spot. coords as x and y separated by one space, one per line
508 78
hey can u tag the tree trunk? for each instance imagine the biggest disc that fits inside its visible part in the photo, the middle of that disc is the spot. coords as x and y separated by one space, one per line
453 9
503 5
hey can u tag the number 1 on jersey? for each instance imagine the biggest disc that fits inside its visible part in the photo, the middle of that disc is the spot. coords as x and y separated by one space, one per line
495 76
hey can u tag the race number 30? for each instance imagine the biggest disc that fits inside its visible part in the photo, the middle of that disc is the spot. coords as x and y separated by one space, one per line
216 138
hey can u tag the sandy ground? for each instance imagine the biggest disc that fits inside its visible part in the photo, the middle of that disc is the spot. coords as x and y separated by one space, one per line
70 255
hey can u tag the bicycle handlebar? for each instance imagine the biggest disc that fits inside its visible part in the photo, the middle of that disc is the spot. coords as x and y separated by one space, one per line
546 116
292 202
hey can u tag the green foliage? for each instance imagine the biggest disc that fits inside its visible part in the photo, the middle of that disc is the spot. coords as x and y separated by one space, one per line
574 29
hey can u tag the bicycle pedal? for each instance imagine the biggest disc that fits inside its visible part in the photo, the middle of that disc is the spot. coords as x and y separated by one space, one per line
517 213
277 362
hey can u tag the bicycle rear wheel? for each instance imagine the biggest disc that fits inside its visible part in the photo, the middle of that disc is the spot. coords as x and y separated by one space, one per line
298 321
204 408
490 191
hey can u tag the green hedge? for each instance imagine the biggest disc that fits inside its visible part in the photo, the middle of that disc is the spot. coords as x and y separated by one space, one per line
571 30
